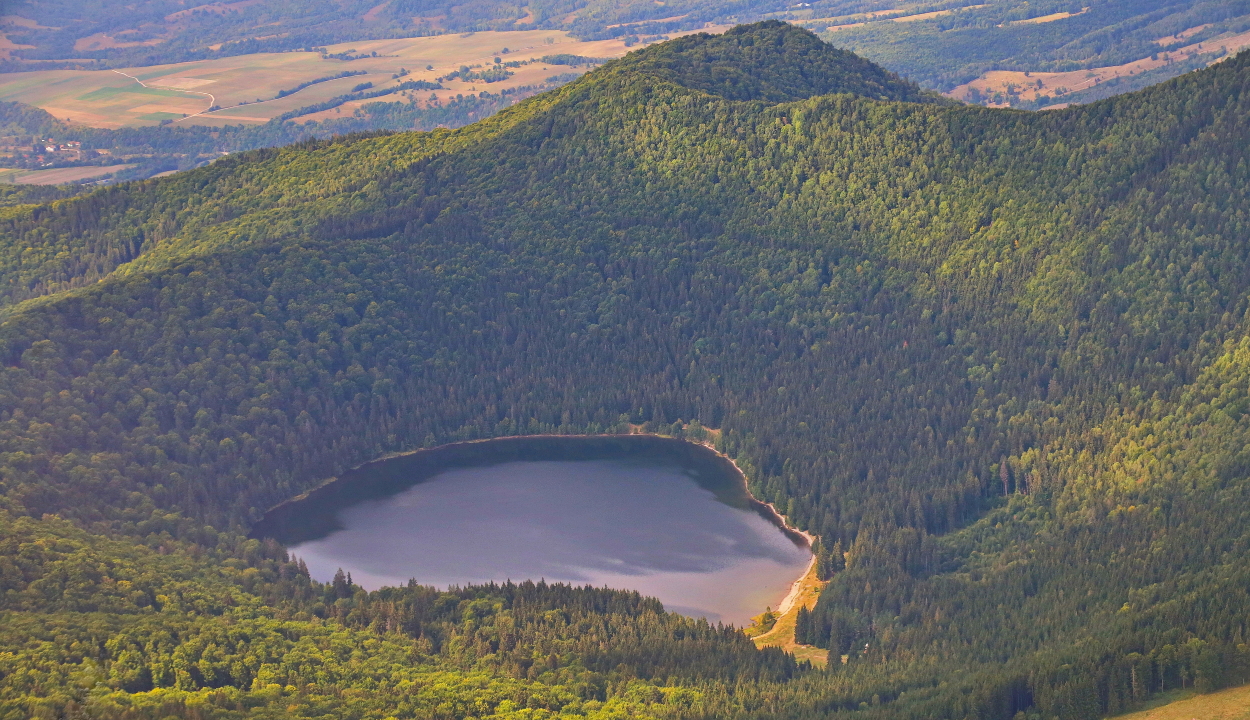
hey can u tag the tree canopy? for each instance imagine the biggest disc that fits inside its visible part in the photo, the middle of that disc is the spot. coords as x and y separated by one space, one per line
1001 358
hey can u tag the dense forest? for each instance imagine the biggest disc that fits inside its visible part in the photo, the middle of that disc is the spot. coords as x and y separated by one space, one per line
999 362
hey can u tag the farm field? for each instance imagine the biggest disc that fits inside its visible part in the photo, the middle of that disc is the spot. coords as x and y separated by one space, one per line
1028 86
1230 704
1043 19
903 14
115 98
57 176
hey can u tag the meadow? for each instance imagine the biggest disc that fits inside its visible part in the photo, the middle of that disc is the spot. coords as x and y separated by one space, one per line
1230 704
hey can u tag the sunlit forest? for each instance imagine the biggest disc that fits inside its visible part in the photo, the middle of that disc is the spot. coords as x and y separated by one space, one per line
998 362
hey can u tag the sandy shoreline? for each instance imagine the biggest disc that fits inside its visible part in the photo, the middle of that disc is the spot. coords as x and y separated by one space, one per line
796 587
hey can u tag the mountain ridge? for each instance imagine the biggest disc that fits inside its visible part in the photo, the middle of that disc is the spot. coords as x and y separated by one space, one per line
997 356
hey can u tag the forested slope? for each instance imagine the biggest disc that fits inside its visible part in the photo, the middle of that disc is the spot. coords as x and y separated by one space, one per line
1000 358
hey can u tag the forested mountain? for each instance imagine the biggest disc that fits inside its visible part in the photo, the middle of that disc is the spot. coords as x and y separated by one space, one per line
1001 358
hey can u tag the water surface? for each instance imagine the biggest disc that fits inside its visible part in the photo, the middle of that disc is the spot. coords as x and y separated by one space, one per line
657 523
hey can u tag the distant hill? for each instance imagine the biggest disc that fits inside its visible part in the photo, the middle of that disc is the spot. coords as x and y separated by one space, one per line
999 362
769 62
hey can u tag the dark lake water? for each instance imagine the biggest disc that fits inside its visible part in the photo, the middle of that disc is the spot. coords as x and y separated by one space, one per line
669 521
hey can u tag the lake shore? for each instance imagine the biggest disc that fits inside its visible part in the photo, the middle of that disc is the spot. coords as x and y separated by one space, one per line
321 502
805 592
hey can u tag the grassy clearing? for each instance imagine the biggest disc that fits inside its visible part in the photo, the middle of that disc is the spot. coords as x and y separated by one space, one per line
107 99
1050 18
1231 704
934 14
111 92
7 46
104 41
782 633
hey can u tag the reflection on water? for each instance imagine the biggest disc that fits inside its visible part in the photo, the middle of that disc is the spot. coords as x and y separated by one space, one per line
621 523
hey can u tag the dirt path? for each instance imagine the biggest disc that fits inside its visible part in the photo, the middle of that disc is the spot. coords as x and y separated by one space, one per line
211 100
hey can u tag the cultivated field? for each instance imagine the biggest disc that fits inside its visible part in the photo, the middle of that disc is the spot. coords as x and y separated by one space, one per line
1231 704
111 99
1050 18
57 176
901 14
1028 86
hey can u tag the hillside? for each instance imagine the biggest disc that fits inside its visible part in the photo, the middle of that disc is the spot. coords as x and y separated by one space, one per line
1001 358
1004 47
1231 704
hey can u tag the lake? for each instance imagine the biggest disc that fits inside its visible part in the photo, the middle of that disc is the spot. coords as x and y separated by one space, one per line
665 517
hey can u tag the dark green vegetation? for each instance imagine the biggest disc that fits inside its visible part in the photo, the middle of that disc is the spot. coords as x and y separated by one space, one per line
1002 358
949 50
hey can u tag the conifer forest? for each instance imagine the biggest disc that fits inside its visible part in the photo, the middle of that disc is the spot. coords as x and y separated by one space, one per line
997 361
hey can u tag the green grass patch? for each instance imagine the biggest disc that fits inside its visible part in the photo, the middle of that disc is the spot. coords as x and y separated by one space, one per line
161 116
107 93
160 73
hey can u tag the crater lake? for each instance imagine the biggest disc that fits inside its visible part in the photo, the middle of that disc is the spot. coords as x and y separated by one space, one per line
668 518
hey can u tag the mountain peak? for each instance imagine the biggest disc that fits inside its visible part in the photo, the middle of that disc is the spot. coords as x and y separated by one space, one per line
770 61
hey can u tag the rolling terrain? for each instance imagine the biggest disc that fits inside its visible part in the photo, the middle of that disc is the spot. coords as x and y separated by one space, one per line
958 47
254 89
1001 358
265 74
